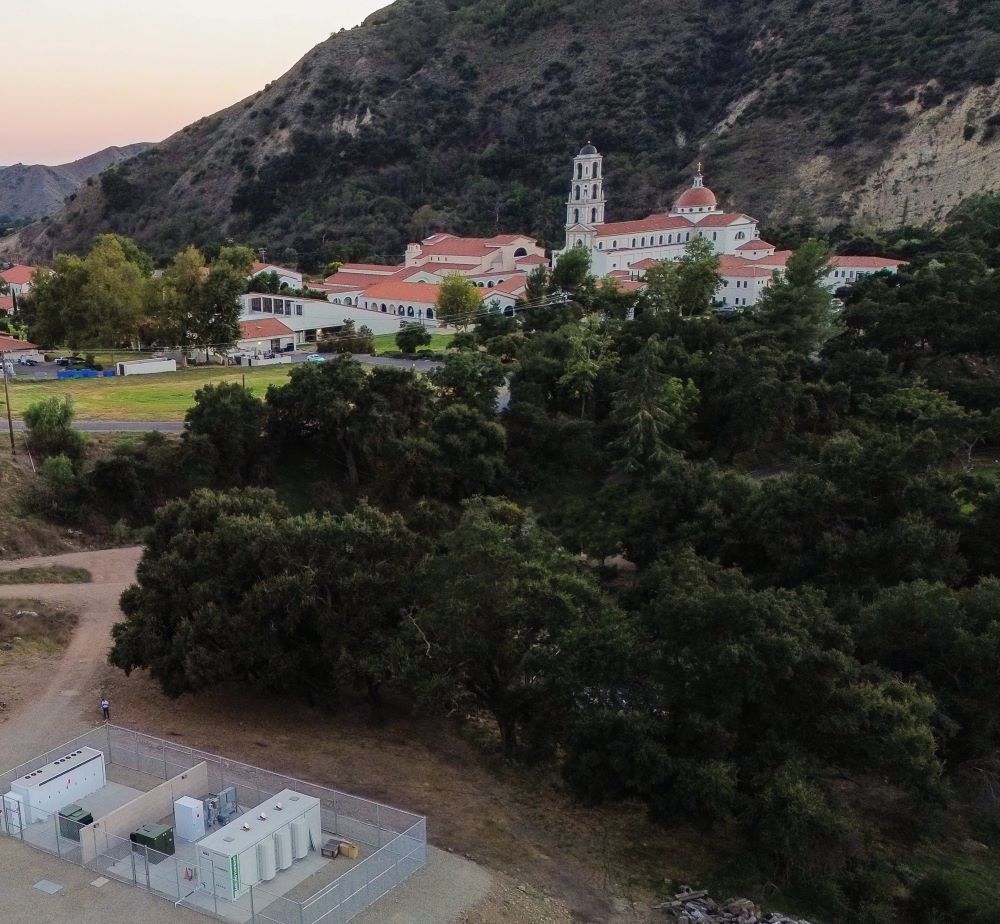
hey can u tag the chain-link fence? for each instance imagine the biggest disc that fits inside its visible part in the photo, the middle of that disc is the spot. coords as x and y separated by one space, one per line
394 840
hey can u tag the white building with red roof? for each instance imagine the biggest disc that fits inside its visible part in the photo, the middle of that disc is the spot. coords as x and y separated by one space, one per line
628 249
19 278
477 256
290 278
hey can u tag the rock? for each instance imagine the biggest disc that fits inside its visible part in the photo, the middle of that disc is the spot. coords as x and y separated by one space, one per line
971 846
21 614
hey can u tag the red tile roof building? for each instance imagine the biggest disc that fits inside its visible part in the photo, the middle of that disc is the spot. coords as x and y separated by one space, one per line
747 263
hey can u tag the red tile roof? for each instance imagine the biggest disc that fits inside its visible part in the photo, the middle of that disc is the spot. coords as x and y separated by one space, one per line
530 260
779 258
722 220
696 197
513 286
346 281
646 264
871 263
449 245
264 328
731 266
379 269
18 275
756 244
652 223
267 267
6 303
10 344
394 291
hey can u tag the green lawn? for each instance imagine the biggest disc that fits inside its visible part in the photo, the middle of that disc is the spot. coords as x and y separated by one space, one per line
386 343
140 397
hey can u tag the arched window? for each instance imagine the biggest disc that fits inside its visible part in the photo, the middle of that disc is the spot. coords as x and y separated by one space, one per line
586 192
593 216
600 245
401 311
614 244
661 238
579 171
576 216
383 306
579 242
520 252
596 171
578 193
409 311
489 285
383 309
633 242
430 314
644 242
688 236
740 235
670 238
336 301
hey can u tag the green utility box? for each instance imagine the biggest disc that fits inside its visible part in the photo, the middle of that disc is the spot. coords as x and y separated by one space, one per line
71 819
156 837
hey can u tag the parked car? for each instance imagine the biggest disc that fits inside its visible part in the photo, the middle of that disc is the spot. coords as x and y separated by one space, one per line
27 361
62 360
316 358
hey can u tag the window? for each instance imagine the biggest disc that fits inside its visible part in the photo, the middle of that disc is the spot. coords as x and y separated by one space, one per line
688 236
715 235
268 305
430 314
596 171
400 311
298 310
643 242
255 304
520 252
661 238
579 242
409 311
593 216
336 301
576 215
579 171
633 242
578 193
670 238
740 235
614 244
489 285
383 309
383 306
600 245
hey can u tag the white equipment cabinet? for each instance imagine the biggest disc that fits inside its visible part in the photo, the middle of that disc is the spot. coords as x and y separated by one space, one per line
235 859
70 778
189 819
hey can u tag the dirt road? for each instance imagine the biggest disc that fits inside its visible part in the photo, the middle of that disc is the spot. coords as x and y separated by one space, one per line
60 703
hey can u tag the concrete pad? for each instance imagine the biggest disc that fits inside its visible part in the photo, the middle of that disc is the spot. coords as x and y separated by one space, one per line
47 886
100 881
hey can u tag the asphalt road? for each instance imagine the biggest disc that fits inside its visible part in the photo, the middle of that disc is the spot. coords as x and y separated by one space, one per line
120 426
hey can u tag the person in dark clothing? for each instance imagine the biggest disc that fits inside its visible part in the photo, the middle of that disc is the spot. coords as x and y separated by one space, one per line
106 709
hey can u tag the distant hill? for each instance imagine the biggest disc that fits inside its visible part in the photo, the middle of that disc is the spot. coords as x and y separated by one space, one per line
463 115
31 192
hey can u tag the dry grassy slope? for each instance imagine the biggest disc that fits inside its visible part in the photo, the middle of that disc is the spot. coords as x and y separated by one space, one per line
934 167
798 107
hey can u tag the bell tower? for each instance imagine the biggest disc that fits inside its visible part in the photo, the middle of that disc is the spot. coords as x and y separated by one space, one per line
586 203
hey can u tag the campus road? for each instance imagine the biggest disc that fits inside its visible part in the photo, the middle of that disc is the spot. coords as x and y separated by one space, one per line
120 426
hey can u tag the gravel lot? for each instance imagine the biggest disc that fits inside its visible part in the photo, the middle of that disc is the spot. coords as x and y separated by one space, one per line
79 902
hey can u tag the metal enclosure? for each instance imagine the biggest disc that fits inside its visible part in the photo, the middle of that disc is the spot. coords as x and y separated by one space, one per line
69 779
255 846
189 819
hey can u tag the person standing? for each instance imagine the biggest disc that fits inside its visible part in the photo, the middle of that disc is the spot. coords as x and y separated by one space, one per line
106 708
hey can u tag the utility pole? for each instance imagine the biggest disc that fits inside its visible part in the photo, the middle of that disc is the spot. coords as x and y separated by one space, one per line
6 395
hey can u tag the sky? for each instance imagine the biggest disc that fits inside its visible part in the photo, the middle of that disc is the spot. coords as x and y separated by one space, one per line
82 75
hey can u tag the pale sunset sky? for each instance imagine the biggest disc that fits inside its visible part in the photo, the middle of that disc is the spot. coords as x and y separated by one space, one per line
86 74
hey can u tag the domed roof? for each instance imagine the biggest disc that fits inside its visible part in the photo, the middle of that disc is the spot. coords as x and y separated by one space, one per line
588 148
697 197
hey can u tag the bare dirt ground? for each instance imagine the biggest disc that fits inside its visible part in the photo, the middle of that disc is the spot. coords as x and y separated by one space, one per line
550 861
47 702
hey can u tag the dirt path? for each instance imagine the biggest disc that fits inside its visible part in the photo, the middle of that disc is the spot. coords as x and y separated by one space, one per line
64 701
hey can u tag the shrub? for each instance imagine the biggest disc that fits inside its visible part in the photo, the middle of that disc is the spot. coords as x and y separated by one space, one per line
50 429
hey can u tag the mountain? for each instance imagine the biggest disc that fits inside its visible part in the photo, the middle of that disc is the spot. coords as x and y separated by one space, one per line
463 115
31 192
